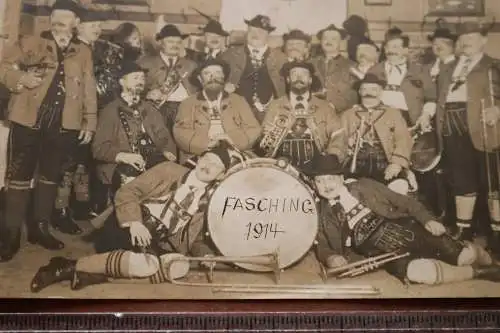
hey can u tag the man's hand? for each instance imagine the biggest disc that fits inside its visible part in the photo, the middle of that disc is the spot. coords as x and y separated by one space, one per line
132 159
425 123
155 95
139 234
169 156
436 228
30 80
335 261
491 115
85 137
392 171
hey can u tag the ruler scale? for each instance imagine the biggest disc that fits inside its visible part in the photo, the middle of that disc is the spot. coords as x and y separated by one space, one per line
363 321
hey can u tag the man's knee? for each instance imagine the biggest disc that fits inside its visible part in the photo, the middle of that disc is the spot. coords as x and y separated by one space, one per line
142 265
424 271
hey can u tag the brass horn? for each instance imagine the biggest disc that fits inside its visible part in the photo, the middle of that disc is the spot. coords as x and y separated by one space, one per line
361 266
270 260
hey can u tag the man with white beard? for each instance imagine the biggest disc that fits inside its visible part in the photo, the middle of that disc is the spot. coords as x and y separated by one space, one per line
52 110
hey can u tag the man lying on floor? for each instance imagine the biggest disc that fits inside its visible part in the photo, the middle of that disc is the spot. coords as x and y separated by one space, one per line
370 219
159 213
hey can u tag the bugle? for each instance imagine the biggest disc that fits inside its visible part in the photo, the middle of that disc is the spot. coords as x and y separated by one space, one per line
357 145
169 89
271 260
361 266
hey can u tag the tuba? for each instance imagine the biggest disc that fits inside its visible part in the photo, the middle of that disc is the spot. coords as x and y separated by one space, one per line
275 134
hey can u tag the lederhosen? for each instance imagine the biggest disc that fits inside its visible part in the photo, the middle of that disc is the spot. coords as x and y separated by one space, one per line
466 165
299 144
370 235
256 84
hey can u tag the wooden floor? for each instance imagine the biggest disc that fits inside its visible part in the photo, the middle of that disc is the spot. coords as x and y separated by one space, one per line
15 277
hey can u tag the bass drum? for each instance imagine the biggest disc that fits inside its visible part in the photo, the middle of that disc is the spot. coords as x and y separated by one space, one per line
260 207
425 154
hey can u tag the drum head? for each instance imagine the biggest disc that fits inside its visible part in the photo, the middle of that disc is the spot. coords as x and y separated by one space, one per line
259 210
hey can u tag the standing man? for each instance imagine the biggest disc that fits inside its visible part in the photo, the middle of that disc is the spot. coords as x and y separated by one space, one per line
255 68
409 86
167 81
367 54
334 69
300 126
296 45
213 115
53 109
443 46
467 122
215 38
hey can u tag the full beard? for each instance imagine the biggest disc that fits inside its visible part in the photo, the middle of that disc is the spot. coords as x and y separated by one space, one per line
299 90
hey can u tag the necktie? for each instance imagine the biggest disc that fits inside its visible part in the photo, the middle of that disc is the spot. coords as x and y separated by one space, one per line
181 212
170 63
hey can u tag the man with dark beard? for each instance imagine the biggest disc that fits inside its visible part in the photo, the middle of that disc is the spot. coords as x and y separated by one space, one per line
214 115
52 110
300 125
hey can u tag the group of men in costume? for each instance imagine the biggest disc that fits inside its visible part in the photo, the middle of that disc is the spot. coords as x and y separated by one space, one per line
166 139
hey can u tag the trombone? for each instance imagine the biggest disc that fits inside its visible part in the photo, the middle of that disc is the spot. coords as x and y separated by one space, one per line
270 261
362 266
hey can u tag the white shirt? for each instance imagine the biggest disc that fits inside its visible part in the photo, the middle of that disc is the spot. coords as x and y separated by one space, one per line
304 101
180 93
395 75
180 194
436 67
460 73
216 127
257 53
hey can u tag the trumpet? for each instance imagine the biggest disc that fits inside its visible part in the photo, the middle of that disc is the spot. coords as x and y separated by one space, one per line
361 266
170 85
177 266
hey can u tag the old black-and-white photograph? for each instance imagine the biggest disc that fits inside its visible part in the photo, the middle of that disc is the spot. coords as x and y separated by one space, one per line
242 149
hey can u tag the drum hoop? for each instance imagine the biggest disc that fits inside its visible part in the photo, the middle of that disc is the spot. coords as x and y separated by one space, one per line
273 164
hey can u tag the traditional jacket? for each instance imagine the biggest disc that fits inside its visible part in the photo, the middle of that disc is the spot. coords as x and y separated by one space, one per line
376 197
40 52
158 72
390 128
237 59
338 81
324 124
111 138
158 182
191 129
478 88
417 87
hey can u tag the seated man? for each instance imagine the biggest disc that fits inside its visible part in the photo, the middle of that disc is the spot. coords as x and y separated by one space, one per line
378 137
299 126
213 115
159 212
130 130
370 219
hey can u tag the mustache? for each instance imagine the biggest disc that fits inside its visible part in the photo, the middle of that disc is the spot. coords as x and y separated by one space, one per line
218 81
369 96
298 81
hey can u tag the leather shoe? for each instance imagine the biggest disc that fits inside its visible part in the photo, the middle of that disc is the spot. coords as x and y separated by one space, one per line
40 234
9 244
58 269
84 279
63 222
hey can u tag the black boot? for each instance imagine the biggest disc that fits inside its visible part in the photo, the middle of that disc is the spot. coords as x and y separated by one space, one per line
39 234
10 242
490 273
82 211
58 269
83 279
62 221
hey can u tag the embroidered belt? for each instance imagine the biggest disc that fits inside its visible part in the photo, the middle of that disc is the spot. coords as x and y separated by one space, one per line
362 222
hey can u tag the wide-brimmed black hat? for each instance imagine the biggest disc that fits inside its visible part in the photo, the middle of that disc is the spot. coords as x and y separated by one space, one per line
442 33
288 66
262 22
366 41
474 27
296 34
170 30
395 33
370 78
222 152
212 62
215 27
130 67
70 5
322 165
332 27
